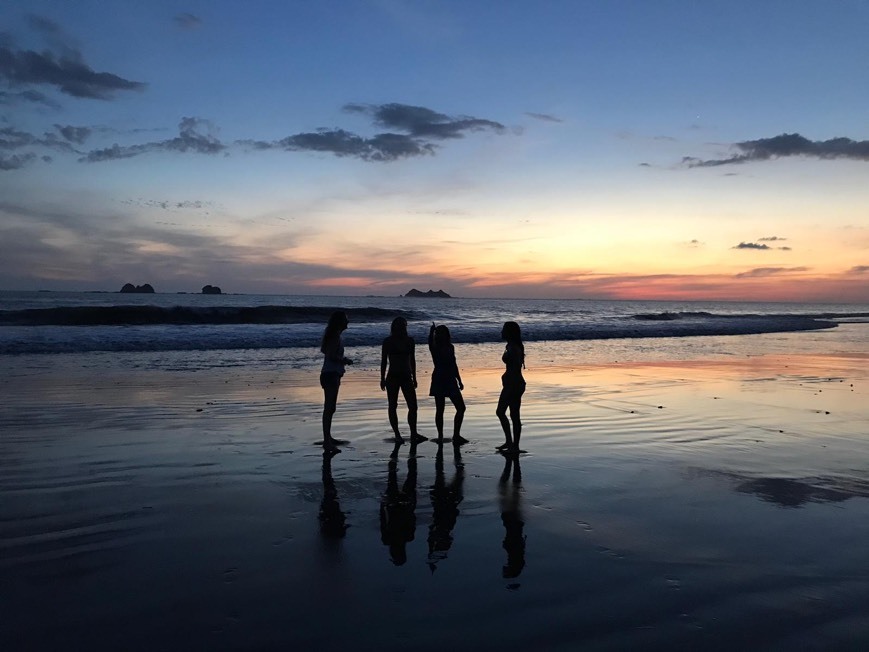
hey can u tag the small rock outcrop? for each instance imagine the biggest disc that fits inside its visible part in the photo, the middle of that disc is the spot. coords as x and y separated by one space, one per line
138 289
211 289
429 294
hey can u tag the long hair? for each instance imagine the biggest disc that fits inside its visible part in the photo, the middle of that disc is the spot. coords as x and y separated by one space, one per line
442 337
512 334
399 327
337 323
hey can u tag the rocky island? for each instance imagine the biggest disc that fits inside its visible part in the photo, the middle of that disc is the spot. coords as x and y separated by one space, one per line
211 289
439 294
138 289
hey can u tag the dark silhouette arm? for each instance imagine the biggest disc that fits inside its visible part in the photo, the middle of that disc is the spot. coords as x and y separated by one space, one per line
413 361
383 359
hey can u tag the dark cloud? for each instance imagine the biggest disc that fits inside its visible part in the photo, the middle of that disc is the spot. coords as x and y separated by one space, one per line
188 21
383 147
771 238
16 161
194 135
760 272
760 246
61 66
859 269
199 136
545 117
75 135
12 139
421 122
29 96
421 125
765 149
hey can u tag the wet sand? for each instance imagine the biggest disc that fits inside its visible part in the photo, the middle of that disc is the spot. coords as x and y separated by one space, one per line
690 505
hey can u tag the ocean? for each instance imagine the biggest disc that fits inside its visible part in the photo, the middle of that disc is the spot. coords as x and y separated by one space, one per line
285 330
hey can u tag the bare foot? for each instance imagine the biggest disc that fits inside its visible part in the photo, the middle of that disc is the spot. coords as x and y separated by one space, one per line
458 440
417 438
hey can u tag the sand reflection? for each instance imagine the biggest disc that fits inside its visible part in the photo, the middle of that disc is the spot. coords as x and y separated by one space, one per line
398 509
510 486
445 500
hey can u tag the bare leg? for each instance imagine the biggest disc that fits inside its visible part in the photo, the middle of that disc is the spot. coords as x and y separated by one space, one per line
330 403
459 404
410 398
501 411
440 403
392 398
515 407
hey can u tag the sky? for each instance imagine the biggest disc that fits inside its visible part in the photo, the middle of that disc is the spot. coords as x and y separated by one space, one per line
564 149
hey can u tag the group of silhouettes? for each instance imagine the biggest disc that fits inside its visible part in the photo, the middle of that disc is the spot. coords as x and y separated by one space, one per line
398 374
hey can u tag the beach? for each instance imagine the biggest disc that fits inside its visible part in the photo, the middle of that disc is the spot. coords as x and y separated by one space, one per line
710 503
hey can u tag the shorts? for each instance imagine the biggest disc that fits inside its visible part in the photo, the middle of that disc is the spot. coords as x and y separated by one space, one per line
330 380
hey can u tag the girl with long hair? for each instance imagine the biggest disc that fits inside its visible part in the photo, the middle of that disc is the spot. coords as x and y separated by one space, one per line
513 386
330 375
398 356
446 382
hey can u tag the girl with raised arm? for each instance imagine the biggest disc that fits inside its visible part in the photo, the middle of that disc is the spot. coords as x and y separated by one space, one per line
446 382
330 375
399 357
513 386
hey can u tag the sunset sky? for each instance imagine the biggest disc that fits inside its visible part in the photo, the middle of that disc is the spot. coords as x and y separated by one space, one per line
575 149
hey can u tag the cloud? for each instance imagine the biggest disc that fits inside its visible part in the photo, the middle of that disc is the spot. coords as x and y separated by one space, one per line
31 96
421 122
383 147
760 272
188 21
545 117
194 135
765 149
760 246
61 66
16 161
771 238
858 269
12 139
75 135
421 125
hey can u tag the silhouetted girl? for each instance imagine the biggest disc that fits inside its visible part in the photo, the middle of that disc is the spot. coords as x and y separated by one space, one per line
398 355
445 381
330 375
513 385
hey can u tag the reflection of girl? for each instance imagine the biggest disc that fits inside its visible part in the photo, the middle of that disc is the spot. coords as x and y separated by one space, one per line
398 355
513 385
446 382
330 375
